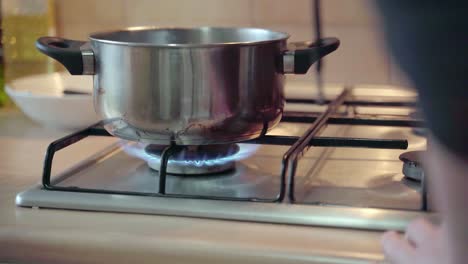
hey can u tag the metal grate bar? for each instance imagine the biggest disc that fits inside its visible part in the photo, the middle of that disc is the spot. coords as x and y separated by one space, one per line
355 102
360 119
291 157
333 142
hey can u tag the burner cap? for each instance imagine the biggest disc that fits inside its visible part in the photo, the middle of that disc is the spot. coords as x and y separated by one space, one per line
193 160
412 165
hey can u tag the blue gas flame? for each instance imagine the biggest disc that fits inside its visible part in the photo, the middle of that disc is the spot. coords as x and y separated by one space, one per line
138 150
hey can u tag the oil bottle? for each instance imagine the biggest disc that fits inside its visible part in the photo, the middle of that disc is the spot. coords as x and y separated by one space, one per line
23 21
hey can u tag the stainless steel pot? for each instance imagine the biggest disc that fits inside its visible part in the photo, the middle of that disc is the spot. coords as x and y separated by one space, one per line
191 86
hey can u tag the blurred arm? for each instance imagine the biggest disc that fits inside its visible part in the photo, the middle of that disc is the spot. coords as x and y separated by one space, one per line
429 40
448 181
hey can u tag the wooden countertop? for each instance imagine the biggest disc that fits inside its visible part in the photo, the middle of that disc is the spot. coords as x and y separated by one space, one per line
64 236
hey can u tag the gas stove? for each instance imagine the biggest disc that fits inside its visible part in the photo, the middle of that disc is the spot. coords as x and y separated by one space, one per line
331 165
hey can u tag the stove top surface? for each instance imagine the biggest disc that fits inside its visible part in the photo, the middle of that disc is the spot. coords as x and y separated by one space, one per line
354 177
334 186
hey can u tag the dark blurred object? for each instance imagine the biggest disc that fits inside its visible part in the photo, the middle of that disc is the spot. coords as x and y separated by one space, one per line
318 39
429 42
420 131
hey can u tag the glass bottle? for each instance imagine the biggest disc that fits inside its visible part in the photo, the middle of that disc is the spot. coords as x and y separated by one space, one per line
23 21
3 96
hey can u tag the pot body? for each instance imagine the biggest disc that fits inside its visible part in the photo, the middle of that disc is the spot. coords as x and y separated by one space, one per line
193 86
188 95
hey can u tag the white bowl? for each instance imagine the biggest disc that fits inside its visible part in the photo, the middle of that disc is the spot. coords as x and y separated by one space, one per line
42 98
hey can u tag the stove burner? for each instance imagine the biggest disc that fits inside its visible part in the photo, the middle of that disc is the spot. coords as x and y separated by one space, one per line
193 160
412 168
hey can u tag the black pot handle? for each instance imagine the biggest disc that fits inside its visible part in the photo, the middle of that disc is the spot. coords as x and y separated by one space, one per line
68 52
303 54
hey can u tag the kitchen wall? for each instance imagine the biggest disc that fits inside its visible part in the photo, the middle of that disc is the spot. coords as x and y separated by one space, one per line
362 57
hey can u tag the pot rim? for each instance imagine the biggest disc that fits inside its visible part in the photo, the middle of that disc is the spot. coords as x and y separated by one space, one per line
100 37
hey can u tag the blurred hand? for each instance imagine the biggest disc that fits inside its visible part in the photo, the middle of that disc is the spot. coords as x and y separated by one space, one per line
422 243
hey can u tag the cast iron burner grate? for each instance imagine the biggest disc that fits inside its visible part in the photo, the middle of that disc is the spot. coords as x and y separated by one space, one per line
298 146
